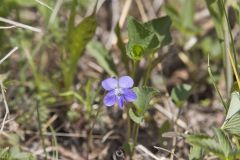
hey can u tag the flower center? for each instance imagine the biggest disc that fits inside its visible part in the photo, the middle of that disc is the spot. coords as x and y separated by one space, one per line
118 92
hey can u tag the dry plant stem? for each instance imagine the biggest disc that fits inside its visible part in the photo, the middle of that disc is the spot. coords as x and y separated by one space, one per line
163 149
7 27
55 11
6 107
9 54
141 10
234 68
20 25
44 4
3 91
124 14
40 130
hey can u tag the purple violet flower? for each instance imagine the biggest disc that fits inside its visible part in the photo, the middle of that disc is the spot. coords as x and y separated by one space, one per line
118 91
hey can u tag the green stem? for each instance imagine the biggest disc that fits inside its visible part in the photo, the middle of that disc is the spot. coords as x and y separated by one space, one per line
91 129
135 137
231 36
128 125
215 86
40 131
134 69
148 71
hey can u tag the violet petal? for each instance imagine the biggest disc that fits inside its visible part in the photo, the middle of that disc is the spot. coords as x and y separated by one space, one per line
109 84
125 82
110 98
129 95
120 101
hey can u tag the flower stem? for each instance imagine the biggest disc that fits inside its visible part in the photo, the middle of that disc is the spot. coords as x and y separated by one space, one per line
128 125
148 70
135 137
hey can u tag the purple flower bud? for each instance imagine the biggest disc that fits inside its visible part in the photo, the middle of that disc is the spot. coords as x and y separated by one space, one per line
118 91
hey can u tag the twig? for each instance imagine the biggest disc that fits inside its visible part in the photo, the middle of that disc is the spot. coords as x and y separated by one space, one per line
124 12
141 148
7 27
5 105
20 24
3 90
9 54
44 4
141 10
55 11
163 149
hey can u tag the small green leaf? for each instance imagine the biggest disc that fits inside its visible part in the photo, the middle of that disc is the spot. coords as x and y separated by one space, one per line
144 95
234 106
223 141
137 52
180 94
196 153
134 117
104 59
161 27
147 38
232 125
206 143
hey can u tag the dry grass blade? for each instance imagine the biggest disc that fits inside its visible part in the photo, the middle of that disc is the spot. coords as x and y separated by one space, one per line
44 4
234 68
20 25
2 78
9 54
7 27
55 11
163 149
123 16
140 148
5 105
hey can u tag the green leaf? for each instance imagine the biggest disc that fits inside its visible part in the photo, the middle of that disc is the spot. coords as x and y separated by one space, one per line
234 106
104 59
223 141
147 38
160 26
144 96
134 117
207 143
217 14
196 153
78 38
232 125
180 94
